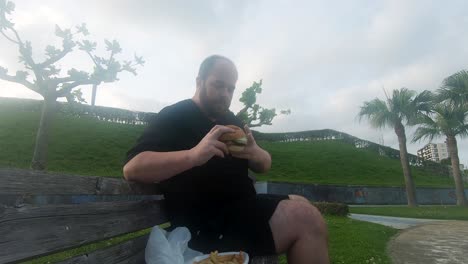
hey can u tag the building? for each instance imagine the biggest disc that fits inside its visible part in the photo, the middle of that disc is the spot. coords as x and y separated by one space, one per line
434 152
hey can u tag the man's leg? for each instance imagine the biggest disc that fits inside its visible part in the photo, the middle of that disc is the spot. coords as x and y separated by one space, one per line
299 230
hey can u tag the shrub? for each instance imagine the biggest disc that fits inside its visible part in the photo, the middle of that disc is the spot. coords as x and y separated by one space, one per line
338 209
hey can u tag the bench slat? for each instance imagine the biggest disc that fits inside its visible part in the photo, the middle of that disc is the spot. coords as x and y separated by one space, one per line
265 260
31 231
131 252
28 182
13 200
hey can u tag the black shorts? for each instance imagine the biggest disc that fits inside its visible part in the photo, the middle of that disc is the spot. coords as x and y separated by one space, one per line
245 226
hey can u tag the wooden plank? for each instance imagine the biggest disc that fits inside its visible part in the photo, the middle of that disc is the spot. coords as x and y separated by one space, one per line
265 260
29 182
131 252
31 231
13 200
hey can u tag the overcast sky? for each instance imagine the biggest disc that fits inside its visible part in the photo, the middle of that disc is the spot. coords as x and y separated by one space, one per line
321 59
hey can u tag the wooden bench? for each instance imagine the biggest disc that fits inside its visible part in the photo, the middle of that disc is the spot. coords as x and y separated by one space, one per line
42 213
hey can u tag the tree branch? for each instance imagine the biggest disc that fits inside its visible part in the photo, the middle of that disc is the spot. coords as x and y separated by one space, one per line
28 59
255 125
7 37
18 39
57 81
68 87
243 110
24 82
92 58
54 59
16 34
110 58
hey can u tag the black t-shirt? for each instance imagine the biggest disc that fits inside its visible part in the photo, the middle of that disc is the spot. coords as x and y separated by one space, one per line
198 193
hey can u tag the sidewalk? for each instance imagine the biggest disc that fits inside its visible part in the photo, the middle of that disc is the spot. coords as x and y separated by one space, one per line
438 242
424 241
395 222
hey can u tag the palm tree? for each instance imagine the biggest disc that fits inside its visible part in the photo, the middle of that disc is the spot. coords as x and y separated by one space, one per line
450 121
401 109
455 89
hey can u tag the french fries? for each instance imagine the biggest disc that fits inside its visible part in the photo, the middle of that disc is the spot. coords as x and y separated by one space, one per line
214 258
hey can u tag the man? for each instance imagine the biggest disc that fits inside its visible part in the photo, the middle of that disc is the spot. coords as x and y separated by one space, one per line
208 189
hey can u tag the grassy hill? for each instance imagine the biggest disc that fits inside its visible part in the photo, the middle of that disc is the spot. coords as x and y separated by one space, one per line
335 162
89 147
78 145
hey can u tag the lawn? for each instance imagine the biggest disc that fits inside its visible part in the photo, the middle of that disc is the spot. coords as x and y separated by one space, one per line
81 146
429 212
351 241
335 162
86 146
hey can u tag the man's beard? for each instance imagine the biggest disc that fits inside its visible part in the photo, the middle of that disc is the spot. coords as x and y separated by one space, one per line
213 108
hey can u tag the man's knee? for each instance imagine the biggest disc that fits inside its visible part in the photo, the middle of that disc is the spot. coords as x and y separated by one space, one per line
295 197
311 219
293 220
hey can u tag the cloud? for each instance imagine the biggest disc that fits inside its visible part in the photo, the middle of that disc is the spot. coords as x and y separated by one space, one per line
320 59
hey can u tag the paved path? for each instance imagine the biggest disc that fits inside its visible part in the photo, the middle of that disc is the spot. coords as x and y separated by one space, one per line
395 222
424 241
441 242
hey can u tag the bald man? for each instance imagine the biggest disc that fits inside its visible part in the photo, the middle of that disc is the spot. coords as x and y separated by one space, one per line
208 190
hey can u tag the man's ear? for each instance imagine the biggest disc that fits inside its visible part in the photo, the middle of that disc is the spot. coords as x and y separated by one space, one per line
199 82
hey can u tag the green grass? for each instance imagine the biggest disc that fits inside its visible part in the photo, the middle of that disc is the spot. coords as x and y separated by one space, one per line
429 212
89 147
350 241
353 241
86 146
82 146
335 162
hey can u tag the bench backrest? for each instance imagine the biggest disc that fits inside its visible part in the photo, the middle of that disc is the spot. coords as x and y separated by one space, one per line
43 213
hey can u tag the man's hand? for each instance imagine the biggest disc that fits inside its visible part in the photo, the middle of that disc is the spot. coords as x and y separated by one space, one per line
210 146
250 150
259 159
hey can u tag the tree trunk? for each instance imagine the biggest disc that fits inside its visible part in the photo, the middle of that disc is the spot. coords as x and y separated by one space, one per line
453 150
409 183
39 160
93 97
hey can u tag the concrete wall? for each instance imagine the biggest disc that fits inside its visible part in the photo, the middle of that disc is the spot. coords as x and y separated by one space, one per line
363 194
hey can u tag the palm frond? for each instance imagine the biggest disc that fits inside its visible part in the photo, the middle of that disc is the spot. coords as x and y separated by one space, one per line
463 131
428 128
450 119
454 89
422 104
425 132
401 101
377 112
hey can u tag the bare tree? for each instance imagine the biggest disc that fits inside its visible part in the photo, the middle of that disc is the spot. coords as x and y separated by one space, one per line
47 79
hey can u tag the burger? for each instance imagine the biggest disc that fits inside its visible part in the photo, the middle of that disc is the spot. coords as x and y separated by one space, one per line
235 141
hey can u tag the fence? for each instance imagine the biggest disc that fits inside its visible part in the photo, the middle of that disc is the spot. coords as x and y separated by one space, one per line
361 194
102 113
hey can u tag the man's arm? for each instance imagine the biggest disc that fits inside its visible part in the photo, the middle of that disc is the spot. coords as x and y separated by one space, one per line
150 166
260 161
